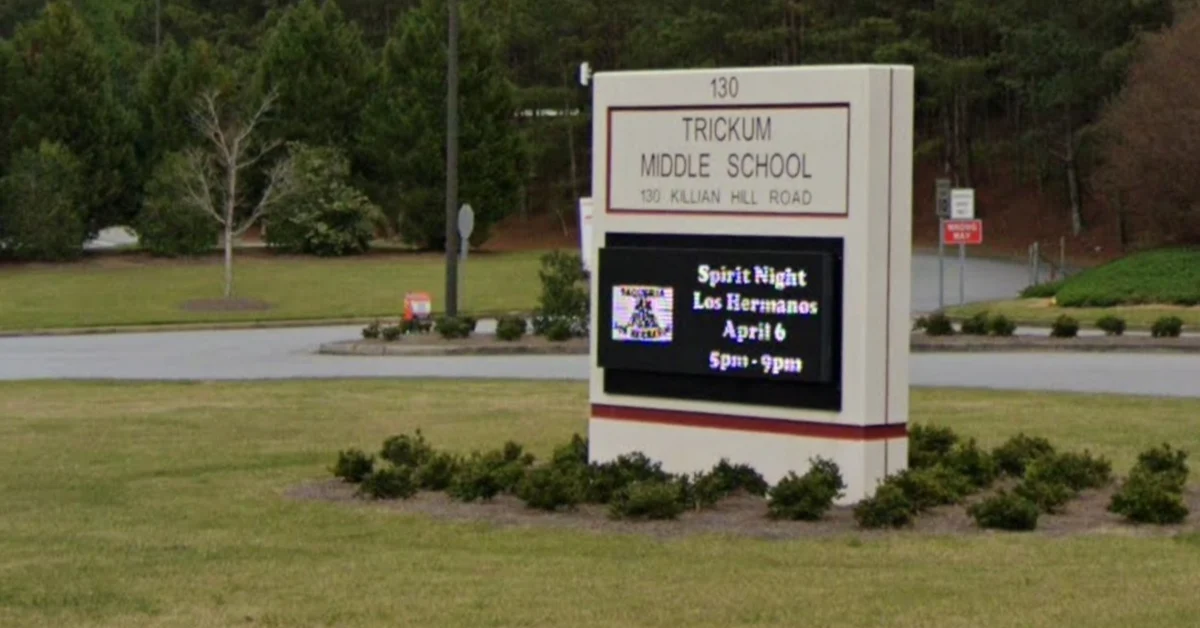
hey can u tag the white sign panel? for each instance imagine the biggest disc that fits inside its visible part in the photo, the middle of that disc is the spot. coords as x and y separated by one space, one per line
585 232
962 204
762 160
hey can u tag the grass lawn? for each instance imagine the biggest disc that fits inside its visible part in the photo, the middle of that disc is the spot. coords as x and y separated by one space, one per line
128 290
1040 312
1166 276
162 505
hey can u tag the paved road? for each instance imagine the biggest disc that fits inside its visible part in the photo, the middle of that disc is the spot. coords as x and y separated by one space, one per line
290 353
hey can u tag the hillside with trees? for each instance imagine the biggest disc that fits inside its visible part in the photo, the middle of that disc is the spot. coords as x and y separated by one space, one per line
1038 105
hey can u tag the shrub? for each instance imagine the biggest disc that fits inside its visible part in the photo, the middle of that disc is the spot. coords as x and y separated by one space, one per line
478 478
1042 290
1064 327
388 483
450 328
391 333
930 487
1014 456
372 331
807 497
471 323
1164 461
165 226
921 323
731 478
977 325
551 488
407 451
510 328
1111 325
647 500
1001 326
929 444
353 465
322 214
1149 498
609 478
572 454
889 507
938 324
1076 471
701 490
416 325
1049 497
1005 511
437 473
42 214
565 297
559 331
973 463
1167 327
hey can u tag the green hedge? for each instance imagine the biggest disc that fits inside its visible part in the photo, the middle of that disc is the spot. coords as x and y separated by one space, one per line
1167 276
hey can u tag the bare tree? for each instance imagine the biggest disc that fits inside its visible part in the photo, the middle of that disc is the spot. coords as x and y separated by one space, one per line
214 173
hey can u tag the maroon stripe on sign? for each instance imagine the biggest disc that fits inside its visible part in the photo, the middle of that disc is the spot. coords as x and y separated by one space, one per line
750 424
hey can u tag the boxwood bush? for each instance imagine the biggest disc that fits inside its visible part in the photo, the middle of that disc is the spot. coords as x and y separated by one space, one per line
1064 327
1005 511
1167 327
973 463
654 499
1002 326
889 507
938 324
807 497
977 325
1049 497
1016 453
353 465
931 487
551 488
929 445
388 483
1076 471
511 328
407 450
1150 498
1111 325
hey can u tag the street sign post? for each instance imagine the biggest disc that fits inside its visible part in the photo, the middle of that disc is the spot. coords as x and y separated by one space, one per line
964 233
942 188
466 226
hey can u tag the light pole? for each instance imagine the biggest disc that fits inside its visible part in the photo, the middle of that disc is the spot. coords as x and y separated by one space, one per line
452 162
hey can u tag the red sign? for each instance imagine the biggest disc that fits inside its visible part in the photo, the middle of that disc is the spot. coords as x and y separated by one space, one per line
962 232
417 305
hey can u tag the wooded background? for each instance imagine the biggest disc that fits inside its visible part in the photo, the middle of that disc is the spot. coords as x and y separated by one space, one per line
1091 102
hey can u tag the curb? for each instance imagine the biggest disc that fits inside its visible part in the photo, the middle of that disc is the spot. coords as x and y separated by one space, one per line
919 344
402 349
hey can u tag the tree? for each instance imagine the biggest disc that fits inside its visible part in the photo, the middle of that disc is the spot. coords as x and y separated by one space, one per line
1067 61
1148 171
62 84
214 175
166 227
318 65
40 215
168 88
324 215
403 137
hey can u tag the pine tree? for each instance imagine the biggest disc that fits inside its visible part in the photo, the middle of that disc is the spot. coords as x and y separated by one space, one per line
317 63
62 81
403 137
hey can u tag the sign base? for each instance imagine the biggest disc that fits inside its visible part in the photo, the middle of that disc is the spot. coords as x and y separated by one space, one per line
685 443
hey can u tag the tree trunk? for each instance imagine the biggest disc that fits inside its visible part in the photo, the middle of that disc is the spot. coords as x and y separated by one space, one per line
229 260
230 207
1073 185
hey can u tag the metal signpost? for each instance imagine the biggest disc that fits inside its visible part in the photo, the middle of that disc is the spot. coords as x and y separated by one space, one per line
943 212
962 229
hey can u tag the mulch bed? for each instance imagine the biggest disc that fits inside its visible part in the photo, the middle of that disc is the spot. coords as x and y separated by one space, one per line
745 516
225 305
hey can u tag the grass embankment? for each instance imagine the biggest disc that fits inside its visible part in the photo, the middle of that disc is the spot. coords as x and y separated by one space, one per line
133 290
163 505
1140 289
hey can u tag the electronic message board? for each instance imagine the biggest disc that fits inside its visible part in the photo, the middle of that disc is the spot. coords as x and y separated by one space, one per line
730 315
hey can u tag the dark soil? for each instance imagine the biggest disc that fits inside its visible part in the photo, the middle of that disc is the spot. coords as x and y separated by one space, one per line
225 305
744 516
